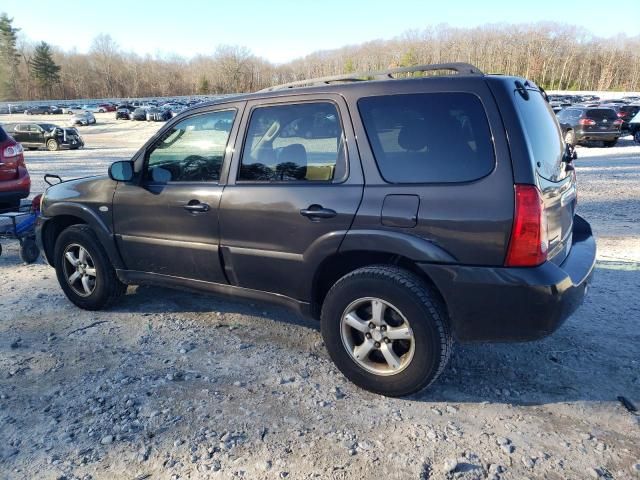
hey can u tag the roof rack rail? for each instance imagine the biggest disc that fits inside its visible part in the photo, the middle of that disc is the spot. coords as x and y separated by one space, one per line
459 67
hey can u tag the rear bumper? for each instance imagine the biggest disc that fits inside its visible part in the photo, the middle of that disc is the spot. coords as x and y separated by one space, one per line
585 135
516 304
13 196
12 190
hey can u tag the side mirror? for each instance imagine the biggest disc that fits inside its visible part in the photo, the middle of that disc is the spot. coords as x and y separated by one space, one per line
121 171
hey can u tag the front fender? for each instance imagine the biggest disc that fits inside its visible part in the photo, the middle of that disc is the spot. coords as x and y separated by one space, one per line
60 210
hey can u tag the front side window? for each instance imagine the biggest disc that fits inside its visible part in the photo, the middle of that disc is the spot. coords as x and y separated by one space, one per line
192 150
296 142
428 137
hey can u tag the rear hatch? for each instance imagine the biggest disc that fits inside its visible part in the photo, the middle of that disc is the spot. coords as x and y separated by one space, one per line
603 120
8 165
554 175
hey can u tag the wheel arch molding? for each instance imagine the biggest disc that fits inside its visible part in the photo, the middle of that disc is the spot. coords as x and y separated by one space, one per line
84 214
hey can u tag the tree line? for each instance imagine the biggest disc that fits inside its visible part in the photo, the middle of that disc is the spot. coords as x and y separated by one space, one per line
556 56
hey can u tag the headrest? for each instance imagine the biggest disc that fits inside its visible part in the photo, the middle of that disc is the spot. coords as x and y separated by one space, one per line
413 136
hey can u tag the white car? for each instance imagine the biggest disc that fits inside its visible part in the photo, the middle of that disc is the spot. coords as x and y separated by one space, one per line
82 118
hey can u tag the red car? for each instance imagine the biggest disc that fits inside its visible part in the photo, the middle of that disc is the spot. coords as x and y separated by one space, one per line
15 182
108 107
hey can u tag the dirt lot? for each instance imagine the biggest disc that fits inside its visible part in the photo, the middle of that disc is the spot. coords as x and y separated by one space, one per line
170 384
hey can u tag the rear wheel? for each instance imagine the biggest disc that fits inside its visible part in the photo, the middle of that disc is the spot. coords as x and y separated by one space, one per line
52 145
83 269
386 330
636 136
570 138
610 143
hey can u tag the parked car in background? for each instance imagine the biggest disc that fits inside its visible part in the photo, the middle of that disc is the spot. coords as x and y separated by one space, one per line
83 118
11 108
139 113
584 124
38 110
106 107
54 110
44 135
123 112
15 183
403 214
71 109
634 127
157 114
93 108
625 112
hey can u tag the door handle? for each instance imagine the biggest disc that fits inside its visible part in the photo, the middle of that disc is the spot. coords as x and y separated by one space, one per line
196 207
316 212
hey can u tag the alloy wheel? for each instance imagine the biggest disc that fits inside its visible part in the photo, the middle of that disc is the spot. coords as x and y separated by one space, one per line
79 270
377 336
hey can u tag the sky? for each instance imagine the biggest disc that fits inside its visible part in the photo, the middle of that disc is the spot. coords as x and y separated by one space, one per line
281 30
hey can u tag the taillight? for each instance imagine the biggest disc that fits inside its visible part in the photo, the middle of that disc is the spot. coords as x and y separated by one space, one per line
587 121
618 122
528 244
622 114
35 203
12 151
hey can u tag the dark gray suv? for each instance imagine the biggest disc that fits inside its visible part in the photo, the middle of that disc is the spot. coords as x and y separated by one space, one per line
403 213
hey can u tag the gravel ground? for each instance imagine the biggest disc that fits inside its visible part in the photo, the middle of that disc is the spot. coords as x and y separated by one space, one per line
169 384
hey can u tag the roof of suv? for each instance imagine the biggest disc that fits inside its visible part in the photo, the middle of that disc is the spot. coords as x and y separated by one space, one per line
339 83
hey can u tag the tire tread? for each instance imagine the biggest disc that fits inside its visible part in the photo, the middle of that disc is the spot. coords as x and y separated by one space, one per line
424 292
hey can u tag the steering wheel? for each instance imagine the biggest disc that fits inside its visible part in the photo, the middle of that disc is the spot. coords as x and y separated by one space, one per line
196 167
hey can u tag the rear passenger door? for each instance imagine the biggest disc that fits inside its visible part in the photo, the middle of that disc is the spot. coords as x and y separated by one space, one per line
21 134
294 186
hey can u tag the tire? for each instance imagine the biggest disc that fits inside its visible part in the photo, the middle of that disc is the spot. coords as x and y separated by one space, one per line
570 138
105 286
636 136
29 252
610 143
52 145
406 299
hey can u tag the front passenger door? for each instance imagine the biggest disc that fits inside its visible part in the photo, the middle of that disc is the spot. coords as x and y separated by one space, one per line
166 221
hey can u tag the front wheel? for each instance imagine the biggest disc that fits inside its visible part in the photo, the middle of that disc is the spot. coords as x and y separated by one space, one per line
52 145
84 271
386 330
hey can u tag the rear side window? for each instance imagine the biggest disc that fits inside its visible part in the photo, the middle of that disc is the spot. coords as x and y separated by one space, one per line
542 134
428 137
602 114
295 143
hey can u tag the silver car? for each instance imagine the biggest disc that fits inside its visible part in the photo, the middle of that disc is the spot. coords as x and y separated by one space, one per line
83 118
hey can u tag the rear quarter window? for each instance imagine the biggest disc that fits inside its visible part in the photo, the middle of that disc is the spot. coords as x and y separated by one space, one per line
428 137
542 134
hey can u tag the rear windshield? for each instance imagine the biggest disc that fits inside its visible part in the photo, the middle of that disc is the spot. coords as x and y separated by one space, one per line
542 134
428 137
601 114
3 135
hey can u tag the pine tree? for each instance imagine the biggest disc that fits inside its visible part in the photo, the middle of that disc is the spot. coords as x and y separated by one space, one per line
44 69
9 58
203 87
